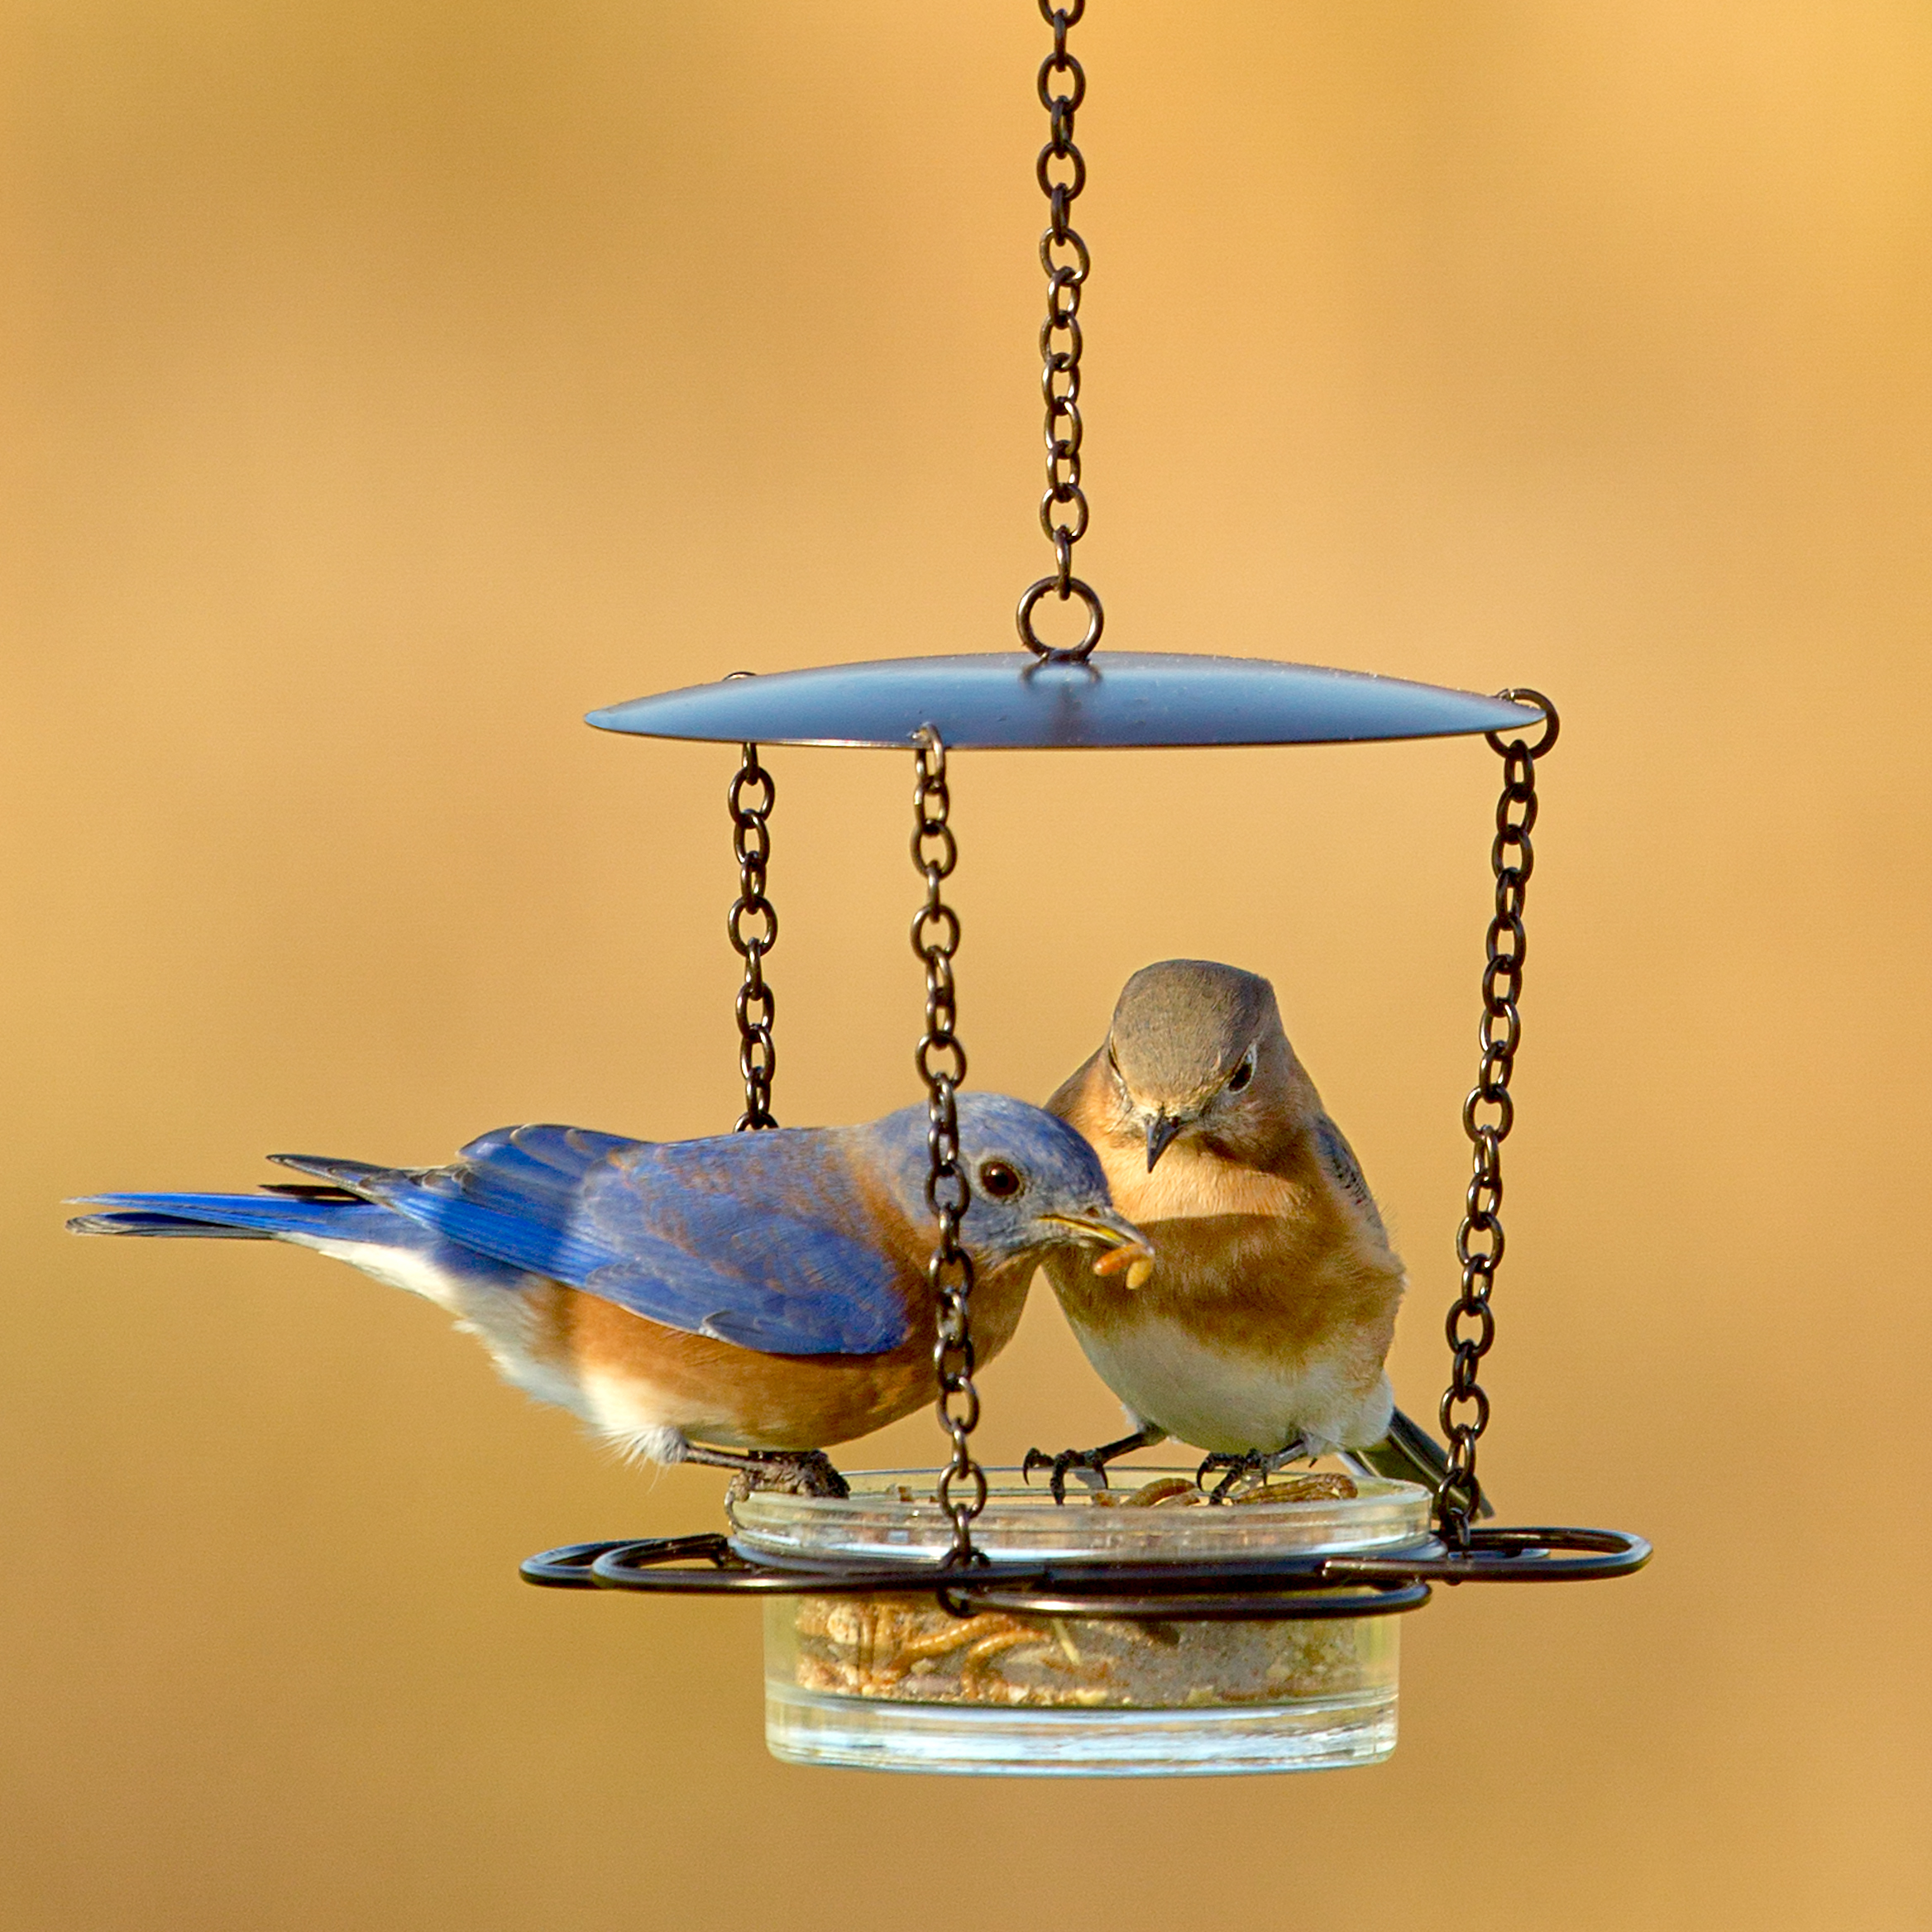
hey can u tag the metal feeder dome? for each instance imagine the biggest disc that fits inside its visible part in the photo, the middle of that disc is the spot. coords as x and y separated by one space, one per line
935 1558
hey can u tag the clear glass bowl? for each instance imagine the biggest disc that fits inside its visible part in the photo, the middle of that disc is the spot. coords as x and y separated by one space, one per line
896 1683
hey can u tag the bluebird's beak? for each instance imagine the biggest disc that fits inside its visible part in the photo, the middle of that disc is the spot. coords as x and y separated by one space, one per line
1124 1246
1161 1132
1104 1229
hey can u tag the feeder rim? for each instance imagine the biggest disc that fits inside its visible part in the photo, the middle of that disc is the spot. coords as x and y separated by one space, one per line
1378 1583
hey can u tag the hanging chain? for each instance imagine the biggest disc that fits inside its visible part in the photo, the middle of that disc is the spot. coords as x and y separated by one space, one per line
1479 1245
753 792
942 1066
1063 510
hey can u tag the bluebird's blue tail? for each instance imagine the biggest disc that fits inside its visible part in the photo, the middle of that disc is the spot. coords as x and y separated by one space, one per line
381 1242
297 1214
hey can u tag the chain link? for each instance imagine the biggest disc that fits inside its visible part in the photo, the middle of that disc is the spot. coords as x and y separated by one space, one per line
942 1066
1488 1115
753 793
1062 173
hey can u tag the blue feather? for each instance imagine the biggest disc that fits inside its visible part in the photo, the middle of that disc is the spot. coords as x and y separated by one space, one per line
280 1216
264 1217
762 1240
739 1237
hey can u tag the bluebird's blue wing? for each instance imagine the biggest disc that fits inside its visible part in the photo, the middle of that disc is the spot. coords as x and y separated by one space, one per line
1342 1162
760 1240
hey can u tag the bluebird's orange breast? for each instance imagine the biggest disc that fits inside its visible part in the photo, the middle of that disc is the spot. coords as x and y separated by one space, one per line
634 1377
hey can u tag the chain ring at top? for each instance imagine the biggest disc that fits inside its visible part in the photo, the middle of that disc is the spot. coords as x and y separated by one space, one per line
1061 171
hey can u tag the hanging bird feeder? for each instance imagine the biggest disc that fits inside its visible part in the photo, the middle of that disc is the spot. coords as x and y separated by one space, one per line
972 1624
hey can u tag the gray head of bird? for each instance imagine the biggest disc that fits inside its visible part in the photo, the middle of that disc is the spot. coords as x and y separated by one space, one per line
1033 1183
1197 1054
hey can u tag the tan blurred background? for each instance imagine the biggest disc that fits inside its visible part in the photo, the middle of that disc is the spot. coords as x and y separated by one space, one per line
387 382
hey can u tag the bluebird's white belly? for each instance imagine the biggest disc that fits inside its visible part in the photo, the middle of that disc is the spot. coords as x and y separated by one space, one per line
1230 1403
497 1313
643 1420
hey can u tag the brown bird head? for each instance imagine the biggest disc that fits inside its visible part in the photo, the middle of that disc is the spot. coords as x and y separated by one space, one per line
1198 1053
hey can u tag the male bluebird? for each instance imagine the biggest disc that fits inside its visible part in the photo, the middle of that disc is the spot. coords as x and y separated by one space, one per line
1260 1330
741 1301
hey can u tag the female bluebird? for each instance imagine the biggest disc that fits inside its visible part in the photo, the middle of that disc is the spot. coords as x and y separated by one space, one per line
741 1301
1260 1330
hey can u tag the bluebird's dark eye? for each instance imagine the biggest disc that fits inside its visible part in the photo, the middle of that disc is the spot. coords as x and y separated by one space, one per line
999 1180
1242 1074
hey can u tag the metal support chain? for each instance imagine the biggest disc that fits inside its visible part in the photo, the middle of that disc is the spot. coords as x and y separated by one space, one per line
1063 509
753 793
942 1066
1471 1326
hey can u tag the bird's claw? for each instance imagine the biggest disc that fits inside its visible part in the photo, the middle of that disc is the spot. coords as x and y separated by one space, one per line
1254 1465
805 1473
1090 1465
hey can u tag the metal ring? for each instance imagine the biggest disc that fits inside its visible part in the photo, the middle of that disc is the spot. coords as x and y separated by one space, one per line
1056 497
1224 1591
1082 264
943 857
741 942
568 1567
1471 1228
1061 63
1096 621
946 942
750 772
940 1043
1513 1036
1066 325
645 1565
1521 694
1482 1340
975 1475
1071 187
1519 773
1513 1556
1027 1599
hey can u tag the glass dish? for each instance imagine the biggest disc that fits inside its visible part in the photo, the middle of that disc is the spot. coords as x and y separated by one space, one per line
896 1683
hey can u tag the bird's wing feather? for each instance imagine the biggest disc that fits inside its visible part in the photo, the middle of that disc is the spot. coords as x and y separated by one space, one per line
1075 1100
758 1240
1339 1158
763 1240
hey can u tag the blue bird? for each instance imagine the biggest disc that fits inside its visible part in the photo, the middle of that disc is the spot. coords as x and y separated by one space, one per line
742 1301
